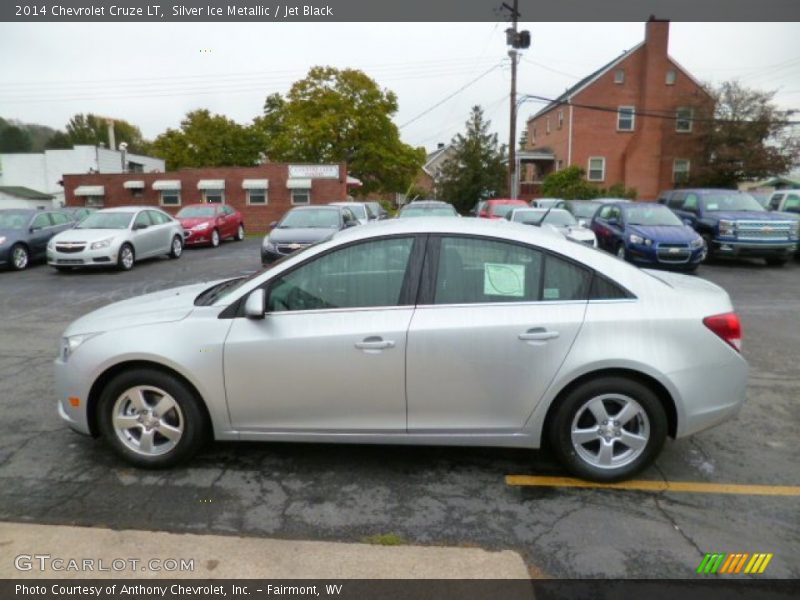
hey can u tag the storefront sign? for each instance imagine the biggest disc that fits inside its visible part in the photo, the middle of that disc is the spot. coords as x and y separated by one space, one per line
314 171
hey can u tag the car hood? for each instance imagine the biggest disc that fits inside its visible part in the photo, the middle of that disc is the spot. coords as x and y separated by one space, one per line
159 307
190 222
750 215
87 235
665 234
300 235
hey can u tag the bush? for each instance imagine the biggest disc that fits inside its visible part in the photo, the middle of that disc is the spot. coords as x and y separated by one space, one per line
571 184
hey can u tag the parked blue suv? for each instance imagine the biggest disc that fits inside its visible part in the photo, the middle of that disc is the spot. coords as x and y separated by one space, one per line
648 234
733 223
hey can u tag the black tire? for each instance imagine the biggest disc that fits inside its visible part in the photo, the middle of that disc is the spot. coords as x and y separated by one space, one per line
176 247
192 417
776 261
20 257
709 247
215 239
620 249
122 261
239 233
574 404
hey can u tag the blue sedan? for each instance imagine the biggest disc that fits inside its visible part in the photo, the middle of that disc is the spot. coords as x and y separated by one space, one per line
649 235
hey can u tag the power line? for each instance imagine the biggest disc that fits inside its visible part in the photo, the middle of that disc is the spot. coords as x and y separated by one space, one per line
446 98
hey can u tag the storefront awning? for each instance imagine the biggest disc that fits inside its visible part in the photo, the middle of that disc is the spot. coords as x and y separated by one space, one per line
298 184
167 184
211 184
353 181
133 185
255 184
90 190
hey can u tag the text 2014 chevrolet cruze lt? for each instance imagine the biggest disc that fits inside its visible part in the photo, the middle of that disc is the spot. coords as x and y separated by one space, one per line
414 331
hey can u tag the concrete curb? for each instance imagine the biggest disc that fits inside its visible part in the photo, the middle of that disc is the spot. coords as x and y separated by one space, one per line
221 557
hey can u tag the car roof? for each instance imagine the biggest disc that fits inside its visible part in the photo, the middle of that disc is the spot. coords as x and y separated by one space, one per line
335 207
425 203
117 209
353 203
506 200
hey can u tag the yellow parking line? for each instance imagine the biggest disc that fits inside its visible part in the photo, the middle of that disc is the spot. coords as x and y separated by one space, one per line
658 486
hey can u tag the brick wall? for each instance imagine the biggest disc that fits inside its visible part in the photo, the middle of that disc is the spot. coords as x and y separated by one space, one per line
642 158
256 217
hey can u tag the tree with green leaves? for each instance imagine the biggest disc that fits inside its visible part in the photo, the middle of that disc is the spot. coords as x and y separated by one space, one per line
749 138
92 130
476 169
14 139
571 184
335 115
206 140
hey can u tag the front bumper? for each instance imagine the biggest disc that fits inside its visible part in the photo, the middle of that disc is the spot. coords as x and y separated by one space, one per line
670 257
193 237
735 248
5 254
103 257
68 385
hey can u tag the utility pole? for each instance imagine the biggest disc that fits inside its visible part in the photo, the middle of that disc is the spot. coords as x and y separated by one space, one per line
517 40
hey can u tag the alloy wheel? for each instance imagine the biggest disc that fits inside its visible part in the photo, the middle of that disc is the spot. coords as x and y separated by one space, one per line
19 258
610 431
147 420
126 257
215 238
177 247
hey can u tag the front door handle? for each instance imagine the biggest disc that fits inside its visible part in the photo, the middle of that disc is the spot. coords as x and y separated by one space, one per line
538 334
374 342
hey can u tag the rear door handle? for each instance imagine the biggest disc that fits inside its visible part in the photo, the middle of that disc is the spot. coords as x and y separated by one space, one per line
374 342
538 334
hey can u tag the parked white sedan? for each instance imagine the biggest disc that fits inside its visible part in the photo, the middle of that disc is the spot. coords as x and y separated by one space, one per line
117 236
414 331
559 219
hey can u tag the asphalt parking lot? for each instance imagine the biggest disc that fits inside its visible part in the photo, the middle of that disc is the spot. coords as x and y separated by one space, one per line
434 496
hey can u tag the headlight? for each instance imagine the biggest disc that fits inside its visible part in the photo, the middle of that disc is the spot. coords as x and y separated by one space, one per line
70 343
696 243
2 240
727 228
201 226
102 244
637 239
268 244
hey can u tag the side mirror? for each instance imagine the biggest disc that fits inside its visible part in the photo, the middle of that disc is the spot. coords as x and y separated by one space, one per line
34 228
613 221
138 226
255 305
273 224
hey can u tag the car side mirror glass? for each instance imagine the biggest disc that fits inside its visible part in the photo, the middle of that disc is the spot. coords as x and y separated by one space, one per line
255 305
34 228
273 224
138 226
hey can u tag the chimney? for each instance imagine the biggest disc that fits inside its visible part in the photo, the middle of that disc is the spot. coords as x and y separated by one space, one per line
656 36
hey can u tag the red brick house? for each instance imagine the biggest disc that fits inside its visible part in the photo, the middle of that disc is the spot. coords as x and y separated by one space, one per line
633 121
263 194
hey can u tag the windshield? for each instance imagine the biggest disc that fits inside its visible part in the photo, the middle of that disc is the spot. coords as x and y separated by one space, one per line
651 215
529 217
583 210
321 218
435 211
725 201
560 218
193 212
108 220
13 220
359 210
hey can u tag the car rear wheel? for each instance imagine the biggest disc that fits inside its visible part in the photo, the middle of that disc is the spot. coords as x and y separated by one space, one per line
19 257
177 247
151 419
608 429
240 233
214 238
125 258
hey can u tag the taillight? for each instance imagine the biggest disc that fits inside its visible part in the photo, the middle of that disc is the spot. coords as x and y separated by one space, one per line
728 327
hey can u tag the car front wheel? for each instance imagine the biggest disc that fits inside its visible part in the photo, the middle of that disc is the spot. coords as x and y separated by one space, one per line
240 233
620 251
125 258
19 257
214 238
177 247
151 419
608 429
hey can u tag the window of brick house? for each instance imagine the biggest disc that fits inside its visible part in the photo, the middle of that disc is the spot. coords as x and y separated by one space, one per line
301 196
597 168
214 196
683 119
626 116
257 197
560 119
619 76
680 170
170 197
671 77
547 125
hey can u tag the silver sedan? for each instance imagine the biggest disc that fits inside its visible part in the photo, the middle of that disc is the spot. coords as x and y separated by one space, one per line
117 237
472 333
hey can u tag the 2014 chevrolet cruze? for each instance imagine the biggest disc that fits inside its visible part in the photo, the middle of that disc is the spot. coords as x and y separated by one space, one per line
468 332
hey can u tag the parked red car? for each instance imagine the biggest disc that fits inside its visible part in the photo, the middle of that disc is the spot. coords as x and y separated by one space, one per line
210 223
499 207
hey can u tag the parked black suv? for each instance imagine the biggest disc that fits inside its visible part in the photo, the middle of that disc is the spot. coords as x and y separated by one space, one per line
733 223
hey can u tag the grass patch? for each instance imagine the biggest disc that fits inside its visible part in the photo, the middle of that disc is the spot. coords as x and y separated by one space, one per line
384 539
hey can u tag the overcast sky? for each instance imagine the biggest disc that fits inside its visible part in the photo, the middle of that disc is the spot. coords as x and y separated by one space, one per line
152 74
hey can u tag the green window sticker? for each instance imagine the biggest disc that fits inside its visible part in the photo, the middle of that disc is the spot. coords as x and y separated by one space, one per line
712 206
503 280
551 293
